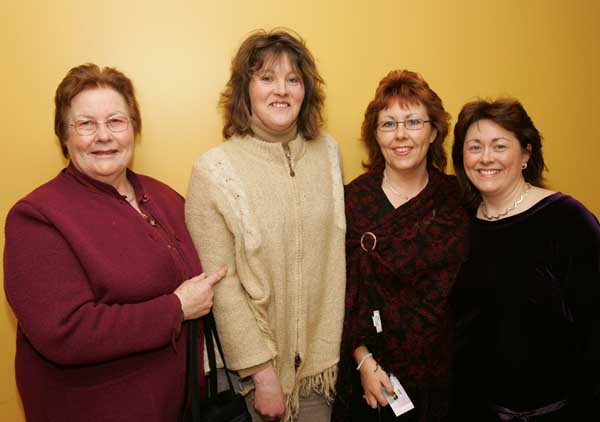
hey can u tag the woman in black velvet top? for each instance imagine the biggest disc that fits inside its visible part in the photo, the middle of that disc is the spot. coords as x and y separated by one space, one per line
528 298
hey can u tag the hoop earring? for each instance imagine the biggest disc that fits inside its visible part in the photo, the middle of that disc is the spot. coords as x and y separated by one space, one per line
524 165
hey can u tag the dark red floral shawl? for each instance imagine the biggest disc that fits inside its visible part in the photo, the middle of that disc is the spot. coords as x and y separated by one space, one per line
407 275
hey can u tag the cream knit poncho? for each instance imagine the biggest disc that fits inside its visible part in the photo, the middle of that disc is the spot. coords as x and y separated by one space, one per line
282 238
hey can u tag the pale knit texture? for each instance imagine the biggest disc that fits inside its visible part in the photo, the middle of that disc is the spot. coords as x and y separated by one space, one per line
282 238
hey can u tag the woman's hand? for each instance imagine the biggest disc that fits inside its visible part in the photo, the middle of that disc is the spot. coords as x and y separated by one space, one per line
196 294
372 378
268 395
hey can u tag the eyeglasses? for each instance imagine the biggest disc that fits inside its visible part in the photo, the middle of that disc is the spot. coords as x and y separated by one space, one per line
115 124
410 124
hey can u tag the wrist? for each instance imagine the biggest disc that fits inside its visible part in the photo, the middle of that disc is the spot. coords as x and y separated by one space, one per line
362 361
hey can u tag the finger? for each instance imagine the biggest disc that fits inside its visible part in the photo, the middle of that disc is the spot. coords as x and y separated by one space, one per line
218 275
381 399
371 401
387 384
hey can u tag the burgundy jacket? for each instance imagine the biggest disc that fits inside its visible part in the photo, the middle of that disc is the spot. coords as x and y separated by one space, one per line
90 281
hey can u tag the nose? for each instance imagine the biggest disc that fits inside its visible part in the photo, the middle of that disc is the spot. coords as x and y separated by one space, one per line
102 133
486 155
280 87
400 130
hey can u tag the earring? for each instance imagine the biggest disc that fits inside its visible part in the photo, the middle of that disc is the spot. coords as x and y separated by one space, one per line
524 165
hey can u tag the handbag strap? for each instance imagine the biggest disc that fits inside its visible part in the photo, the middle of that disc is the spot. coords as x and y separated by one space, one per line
210 331
191 389
191 393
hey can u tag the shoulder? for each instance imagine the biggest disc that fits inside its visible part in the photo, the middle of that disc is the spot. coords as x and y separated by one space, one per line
156 187
218 159
324 142
365 180
51 194
362 191
447 182
564 217
567 207
211 157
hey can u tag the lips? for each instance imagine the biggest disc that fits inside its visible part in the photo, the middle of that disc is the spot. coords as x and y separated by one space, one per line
402 150
488 172
105 153
279 105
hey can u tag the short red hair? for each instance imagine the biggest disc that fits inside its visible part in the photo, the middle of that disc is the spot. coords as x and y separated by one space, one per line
90 76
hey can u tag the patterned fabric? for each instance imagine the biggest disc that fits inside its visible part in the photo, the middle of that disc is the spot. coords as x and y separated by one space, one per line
404 267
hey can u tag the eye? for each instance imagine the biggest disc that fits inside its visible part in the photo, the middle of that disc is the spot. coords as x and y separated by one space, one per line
117 120
85 124
413 123
474 148
117 123
294 80
500 147
388 124
265 78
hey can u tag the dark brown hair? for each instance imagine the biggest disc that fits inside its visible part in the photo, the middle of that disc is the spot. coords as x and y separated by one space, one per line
406 88
259 48
90 76
509 114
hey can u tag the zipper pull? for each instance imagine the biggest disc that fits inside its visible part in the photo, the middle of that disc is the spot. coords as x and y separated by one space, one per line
288 156
297 361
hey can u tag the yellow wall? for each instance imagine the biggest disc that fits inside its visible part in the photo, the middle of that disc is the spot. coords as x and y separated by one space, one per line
545 52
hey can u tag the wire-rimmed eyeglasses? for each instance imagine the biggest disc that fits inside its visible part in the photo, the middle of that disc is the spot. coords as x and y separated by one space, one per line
87 127
409 124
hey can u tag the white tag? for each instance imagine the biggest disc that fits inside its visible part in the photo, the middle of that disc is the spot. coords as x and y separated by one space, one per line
377 321
399 401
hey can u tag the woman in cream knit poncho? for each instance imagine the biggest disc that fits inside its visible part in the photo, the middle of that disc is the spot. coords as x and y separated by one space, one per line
269 204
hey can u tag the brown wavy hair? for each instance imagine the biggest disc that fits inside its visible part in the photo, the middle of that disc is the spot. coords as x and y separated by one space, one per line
405 87
259 48
90 76
509 114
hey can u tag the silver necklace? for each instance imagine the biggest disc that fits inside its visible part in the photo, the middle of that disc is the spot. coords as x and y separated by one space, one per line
396 191
506 211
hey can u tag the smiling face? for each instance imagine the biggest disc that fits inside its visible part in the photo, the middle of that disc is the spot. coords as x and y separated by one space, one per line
104 155
405 150
493 158
276 94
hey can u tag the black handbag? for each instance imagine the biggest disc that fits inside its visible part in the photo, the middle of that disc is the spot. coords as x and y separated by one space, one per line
226 406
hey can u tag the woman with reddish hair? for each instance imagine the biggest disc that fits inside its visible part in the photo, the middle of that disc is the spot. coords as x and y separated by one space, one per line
100 270
406 239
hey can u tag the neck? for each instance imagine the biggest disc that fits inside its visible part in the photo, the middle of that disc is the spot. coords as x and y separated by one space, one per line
494 207
265 134
410 180
123 186
498 203
406 184
118 181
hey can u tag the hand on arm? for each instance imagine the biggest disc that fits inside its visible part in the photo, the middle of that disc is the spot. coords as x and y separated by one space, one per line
213 227
372 377
196 294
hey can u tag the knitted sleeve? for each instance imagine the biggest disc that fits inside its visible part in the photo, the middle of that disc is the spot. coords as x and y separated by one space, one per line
214 224
50 294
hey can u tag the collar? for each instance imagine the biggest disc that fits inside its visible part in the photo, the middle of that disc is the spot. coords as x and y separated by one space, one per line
96 186
262 132
274 151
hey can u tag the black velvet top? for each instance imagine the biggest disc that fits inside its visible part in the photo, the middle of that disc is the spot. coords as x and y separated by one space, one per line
528 310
